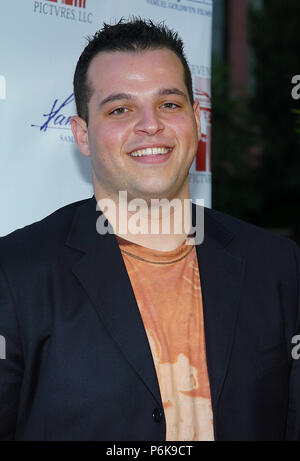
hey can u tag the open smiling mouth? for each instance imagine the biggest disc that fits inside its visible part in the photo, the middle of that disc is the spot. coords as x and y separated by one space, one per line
151 151
152 154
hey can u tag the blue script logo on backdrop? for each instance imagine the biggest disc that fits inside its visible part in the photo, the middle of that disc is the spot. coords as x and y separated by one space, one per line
56 117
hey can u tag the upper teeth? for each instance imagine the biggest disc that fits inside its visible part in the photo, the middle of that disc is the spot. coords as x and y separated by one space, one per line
150 151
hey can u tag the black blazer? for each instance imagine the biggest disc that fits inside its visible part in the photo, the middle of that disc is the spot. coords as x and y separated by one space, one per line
78 364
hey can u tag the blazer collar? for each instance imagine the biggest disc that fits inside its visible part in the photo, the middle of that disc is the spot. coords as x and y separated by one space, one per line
82 231
102 272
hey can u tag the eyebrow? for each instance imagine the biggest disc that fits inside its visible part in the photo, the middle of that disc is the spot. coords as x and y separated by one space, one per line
120 96
169 91
115 97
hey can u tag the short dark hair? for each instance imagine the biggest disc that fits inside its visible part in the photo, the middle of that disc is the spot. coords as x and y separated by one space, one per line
133 36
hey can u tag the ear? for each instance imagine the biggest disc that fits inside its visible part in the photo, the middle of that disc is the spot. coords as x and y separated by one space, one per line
80 133
196 108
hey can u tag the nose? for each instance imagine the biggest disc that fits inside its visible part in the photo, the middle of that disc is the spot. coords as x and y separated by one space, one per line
149 122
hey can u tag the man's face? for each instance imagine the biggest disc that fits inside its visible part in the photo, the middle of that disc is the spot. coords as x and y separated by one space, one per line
139 101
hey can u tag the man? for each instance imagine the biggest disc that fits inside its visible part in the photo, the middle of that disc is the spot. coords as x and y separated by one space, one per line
122 335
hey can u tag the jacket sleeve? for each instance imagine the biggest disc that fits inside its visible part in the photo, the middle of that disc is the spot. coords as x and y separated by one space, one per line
293 420
11 361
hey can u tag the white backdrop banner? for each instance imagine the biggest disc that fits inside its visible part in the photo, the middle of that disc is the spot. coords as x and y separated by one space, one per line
41 40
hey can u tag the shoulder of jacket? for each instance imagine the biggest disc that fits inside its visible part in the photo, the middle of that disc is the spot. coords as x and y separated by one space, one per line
249 238
41 237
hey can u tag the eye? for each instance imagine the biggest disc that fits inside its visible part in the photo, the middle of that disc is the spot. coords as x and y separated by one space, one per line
170 105
119 111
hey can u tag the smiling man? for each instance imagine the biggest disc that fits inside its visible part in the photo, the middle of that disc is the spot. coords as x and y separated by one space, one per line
145 336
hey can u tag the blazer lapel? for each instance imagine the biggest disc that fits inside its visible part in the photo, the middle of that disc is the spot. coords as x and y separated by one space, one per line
221 276
102 273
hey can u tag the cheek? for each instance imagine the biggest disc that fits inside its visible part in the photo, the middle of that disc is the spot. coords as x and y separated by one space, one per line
112 136
186 129
107 148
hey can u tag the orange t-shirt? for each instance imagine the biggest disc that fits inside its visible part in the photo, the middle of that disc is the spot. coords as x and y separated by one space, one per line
167 289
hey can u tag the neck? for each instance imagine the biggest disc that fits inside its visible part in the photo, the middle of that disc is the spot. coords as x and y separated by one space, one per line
160 224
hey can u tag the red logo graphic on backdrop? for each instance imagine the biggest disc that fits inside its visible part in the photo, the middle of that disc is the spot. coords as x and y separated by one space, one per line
80 3
202 94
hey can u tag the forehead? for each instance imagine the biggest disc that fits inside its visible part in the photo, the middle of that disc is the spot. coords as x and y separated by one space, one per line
141 70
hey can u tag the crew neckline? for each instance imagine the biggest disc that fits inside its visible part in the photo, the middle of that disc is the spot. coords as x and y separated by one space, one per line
150 255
